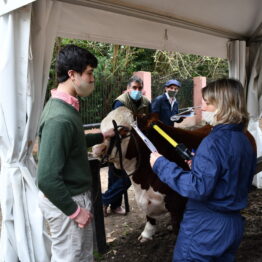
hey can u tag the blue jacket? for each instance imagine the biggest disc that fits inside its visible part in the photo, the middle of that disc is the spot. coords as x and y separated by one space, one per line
162 106
222 170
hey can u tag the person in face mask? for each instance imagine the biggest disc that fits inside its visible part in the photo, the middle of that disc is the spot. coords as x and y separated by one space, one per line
166 105
63 174
133 98
219 181
118 181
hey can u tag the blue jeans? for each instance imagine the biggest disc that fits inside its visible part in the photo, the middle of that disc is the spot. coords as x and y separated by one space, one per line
118 183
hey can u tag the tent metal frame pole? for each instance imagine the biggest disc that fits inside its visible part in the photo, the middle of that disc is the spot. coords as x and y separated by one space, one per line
154 17
255 37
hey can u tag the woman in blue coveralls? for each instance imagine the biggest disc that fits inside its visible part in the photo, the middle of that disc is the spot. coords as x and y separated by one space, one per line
219 180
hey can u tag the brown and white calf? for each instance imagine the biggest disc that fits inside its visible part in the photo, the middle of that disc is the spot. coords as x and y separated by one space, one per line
152 196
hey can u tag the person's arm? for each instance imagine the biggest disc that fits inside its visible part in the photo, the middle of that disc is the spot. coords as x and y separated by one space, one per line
197 183
117 104
54 149
97 138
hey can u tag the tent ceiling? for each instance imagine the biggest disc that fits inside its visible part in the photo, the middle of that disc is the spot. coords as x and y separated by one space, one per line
201 27
7 6
234 19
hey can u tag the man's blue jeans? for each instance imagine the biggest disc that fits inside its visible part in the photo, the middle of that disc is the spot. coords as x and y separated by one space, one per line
118 183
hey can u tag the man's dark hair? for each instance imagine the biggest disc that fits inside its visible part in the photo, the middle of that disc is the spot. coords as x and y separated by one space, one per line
135 79
73 57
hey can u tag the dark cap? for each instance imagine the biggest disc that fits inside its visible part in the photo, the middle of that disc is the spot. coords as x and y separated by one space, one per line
172 82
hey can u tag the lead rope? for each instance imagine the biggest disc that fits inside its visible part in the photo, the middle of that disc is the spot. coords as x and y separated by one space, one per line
119 149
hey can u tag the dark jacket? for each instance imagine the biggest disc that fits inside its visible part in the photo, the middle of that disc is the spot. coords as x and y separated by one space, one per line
162 106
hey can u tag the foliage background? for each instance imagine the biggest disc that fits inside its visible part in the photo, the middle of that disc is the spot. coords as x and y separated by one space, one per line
117 63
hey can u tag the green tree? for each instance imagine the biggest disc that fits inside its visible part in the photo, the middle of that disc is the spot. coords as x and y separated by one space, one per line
116 63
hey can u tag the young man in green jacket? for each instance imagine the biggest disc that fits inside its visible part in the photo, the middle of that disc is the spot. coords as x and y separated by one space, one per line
64 176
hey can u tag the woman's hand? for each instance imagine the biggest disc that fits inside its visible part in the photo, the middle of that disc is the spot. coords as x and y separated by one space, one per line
153 157
189 162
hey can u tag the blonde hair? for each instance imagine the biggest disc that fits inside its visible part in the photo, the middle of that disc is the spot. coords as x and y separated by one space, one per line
228 96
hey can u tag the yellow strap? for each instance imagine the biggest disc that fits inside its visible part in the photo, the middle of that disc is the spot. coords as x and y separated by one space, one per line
165 135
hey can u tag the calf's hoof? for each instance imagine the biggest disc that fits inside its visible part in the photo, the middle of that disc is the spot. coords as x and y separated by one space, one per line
143 239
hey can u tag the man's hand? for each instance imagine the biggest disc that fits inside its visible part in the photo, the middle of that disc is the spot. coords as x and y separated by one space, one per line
83 218
153 157
109 133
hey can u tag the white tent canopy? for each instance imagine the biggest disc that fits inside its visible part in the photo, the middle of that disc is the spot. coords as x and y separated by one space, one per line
226 29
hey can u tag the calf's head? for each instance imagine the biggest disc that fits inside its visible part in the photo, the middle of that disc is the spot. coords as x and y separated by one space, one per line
123 118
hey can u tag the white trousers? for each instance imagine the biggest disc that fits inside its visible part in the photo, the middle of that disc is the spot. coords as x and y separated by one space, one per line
69 242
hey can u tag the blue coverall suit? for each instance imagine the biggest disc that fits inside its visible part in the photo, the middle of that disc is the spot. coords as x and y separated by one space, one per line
162 106
217 189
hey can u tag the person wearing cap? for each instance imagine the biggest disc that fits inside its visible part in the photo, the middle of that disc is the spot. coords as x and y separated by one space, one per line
166 104
118 181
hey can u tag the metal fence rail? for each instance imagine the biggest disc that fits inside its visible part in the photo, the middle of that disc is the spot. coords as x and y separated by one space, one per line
95 107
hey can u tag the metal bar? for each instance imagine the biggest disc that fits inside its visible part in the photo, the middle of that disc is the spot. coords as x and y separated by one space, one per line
255 34
259 165
90 126
99 232
126 201
148 143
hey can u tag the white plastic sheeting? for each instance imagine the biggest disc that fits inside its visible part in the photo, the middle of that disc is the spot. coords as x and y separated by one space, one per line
255 130
25 52
237 60
254 100
254 96
7 6
237 54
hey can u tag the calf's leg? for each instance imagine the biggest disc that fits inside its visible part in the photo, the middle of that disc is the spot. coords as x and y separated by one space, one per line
149 230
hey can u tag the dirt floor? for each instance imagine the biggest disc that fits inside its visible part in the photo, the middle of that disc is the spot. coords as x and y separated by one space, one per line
122 233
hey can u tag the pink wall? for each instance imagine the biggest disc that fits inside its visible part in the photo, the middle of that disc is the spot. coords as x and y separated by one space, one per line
146 77
199 83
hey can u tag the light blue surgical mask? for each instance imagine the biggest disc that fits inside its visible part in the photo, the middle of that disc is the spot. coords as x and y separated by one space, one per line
135 94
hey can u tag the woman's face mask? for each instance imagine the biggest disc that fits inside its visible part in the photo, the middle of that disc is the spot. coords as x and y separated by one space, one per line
135 94
209 117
